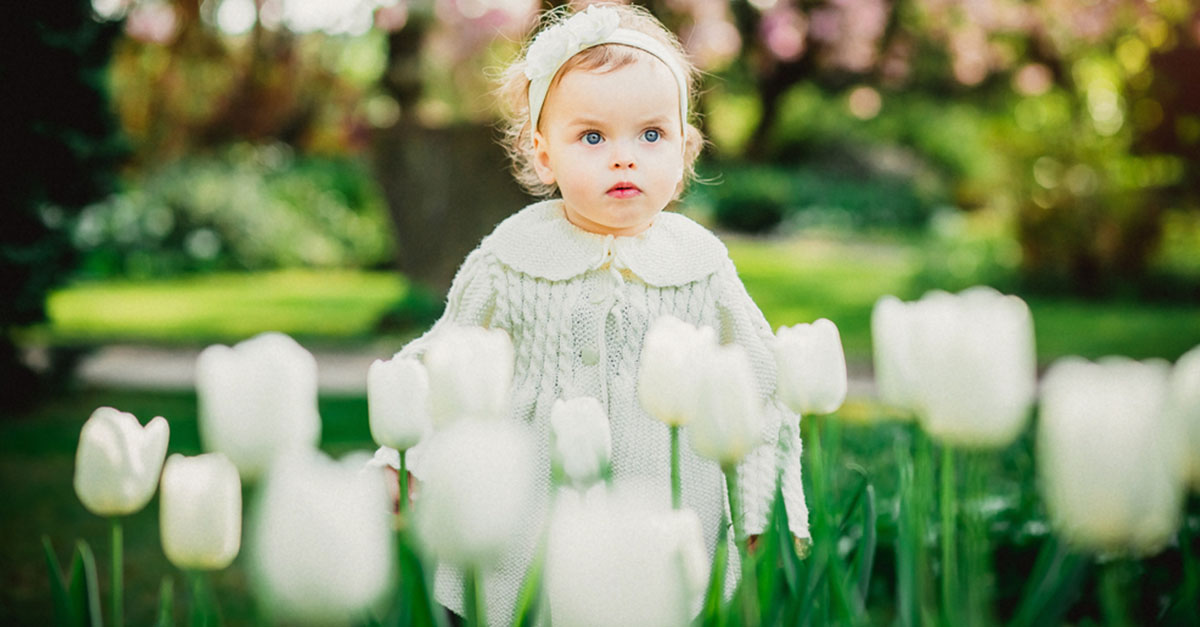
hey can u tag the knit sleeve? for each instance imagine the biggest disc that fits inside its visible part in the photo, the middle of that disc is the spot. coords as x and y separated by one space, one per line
778 457
472 300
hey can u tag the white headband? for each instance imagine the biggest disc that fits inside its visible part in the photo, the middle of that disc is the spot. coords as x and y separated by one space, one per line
594 27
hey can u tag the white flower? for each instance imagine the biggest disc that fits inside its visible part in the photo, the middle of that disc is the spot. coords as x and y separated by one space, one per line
200 511
891 339
477 487
582 441
728 423
257 400
615 559
398 402
667 374
470 374
974 356
1106 463
322 539
118 461
812 367
1185 408
385 457
562 41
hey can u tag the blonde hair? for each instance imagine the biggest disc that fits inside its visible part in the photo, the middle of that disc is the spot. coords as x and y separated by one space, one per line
514 90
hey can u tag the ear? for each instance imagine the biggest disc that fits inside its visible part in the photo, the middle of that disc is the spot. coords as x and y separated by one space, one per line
541 159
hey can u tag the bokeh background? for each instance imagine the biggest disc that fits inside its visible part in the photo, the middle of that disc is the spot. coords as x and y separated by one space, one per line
184 172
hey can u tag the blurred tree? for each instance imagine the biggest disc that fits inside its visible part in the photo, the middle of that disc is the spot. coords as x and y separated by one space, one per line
67 148
445 176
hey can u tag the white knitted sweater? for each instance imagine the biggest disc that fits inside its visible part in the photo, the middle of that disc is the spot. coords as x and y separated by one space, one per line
577 306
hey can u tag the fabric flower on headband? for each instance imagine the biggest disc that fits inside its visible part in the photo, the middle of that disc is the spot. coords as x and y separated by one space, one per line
558 43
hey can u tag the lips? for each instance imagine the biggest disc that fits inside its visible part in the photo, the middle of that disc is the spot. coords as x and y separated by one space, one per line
624 189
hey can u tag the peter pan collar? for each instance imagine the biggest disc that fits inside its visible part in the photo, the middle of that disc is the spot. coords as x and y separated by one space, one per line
540 241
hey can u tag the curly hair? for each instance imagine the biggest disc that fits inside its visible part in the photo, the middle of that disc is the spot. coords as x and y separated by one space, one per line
514 90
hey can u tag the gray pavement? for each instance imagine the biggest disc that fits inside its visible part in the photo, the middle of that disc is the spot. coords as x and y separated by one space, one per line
342 371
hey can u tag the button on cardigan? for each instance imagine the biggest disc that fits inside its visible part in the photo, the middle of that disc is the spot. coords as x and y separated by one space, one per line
577 306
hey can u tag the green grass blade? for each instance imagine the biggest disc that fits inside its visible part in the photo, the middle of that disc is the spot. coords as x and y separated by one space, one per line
64 610
864 559
712 615
84 590
166 602
529 600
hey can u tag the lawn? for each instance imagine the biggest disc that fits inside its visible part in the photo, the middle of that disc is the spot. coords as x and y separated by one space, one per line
793 280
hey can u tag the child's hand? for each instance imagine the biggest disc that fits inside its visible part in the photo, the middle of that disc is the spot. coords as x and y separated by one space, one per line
752 543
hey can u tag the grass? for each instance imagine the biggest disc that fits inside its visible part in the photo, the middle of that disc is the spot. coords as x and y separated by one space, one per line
333 305
793 280
36 468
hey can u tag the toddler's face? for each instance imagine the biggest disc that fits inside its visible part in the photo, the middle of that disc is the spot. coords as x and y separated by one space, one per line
612 142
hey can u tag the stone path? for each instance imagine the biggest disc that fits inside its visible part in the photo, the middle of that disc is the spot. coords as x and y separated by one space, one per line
338 371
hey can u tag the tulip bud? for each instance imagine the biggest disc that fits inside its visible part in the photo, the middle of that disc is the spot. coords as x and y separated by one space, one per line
1185 408
812 367
666 375
582 441
476 492
257 400
975 358
728 422
1105 456
118 461
398 402
200 514
322 539
470 374
614 559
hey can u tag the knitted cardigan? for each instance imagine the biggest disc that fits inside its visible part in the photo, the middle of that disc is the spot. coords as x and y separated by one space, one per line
577 306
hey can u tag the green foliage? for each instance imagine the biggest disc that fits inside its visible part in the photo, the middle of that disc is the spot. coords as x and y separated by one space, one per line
250 207
76 594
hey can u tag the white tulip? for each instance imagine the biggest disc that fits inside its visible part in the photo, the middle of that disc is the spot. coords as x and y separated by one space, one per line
666 373
398 402
322 539
1185 407
613 559
728 422
200 511
812 367
891 338
477 488
257 400
974 355
118 461
470 374
1106 460
582 440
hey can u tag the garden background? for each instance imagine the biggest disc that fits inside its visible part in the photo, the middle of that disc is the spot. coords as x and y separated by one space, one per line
191 172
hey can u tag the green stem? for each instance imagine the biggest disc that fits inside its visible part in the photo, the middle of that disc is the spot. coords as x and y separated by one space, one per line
474 608
203 612
676 499
749 596
403 479
118 569
949 541
1114 582
976 551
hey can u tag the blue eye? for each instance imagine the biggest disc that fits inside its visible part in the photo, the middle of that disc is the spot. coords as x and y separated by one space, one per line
592 138
651 135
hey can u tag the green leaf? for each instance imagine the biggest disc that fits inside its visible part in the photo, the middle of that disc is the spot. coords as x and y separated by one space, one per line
530 597
166 602
82 587
64 611
864 559
712 615
416 605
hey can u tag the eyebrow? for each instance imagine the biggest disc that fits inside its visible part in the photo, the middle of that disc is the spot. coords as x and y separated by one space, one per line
658 120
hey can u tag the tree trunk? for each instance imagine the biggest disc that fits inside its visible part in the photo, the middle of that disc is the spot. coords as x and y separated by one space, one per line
446 188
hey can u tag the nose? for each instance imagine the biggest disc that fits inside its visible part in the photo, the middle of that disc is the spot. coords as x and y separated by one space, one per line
622 157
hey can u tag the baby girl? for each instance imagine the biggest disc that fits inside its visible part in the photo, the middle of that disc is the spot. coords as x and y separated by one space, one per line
600 126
